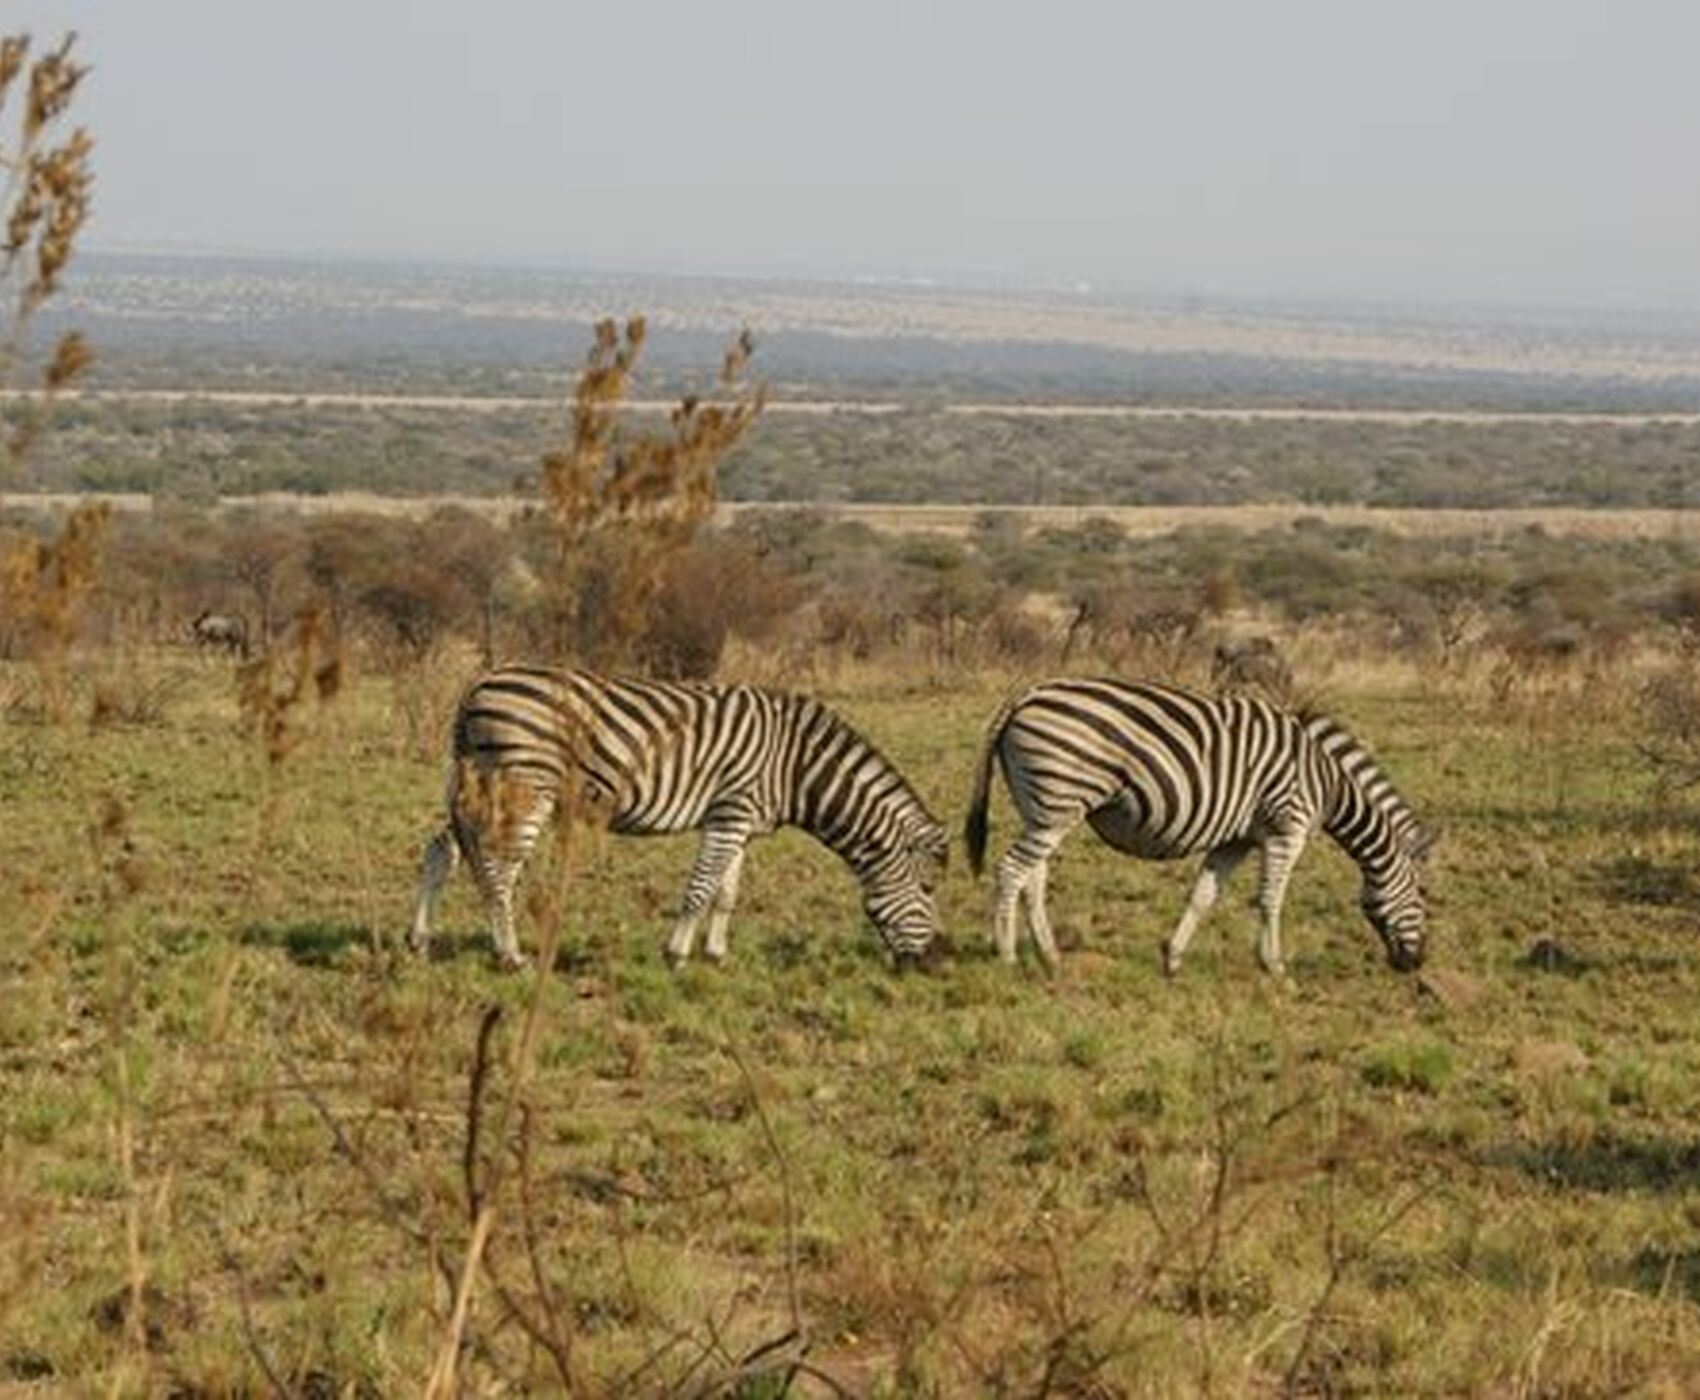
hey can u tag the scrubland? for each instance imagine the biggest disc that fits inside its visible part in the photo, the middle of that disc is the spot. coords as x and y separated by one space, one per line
229 1094
249 1145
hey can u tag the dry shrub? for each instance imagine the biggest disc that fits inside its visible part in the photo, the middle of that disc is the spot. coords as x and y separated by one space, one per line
707 594
414 605
46 184
264 556
1013 637
273 687
1151 634
125 696
44 194
620 507
1670 709
854 626
1682 609
45 585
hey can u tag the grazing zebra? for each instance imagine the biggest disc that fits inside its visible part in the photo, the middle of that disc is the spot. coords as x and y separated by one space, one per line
657 757
221 632
1162 773
1252 663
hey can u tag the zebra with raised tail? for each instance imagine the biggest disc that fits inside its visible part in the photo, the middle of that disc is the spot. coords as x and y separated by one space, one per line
1161 772
656 757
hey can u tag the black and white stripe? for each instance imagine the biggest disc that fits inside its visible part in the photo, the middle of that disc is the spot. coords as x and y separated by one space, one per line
653 757
1161 772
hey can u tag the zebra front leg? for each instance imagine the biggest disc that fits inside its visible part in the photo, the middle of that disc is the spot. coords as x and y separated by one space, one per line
1280 852
721 848
442 854
720 913
1218 865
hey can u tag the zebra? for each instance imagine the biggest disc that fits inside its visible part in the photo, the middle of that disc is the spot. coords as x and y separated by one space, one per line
658 757
1162 773
1251 663
220 632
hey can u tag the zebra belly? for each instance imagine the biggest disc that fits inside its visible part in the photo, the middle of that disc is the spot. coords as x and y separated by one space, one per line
1121 824
1126 823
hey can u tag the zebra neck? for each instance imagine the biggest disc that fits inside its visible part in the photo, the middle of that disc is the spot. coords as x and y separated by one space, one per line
844 792
1361 811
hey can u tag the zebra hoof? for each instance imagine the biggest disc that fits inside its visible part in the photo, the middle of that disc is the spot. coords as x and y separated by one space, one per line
1171 964
513 962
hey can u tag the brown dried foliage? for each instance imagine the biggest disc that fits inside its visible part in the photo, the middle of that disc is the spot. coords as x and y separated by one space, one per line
273 686
45 584
47 187
650 492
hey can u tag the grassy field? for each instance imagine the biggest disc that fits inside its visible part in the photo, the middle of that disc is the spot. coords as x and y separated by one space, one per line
224 1092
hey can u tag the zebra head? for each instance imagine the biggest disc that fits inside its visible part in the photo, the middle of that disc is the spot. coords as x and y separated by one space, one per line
897 890
1393 902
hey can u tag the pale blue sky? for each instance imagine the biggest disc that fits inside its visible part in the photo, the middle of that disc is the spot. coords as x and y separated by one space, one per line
1538 151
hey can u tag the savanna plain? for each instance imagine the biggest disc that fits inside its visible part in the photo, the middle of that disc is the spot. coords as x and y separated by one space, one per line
227 1092
250 1144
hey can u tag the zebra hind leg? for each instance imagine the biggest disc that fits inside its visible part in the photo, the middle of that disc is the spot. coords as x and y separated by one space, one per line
1021 874
498 857
1039 917
442 854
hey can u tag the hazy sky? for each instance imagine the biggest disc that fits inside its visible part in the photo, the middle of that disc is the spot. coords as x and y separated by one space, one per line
1536 151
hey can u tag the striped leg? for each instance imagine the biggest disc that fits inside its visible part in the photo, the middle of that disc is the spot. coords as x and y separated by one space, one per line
1039 917
1218 865
442 854
720 915
722 849
1280 853
1022 865
498 859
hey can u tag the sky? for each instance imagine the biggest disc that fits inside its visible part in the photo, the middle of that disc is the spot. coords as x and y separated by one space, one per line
1532 152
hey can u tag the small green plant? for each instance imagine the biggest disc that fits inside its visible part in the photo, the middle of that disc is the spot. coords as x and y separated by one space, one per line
1420 1066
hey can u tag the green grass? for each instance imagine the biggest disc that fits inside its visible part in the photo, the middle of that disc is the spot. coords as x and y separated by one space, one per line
1127 1185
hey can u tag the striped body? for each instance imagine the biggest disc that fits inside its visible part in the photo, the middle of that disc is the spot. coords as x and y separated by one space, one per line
651 757
1164 773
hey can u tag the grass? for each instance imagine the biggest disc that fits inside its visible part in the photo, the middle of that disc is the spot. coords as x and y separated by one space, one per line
1100 1183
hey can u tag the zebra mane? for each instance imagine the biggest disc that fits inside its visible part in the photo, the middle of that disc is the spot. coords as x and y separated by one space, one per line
1356 766
835 726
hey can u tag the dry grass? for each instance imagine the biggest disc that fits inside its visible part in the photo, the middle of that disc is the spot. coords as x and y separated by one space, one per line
1102 1184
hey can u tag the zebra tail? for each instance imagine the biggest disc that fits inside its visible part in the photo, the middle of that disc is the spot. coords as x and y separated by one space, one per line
977 826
